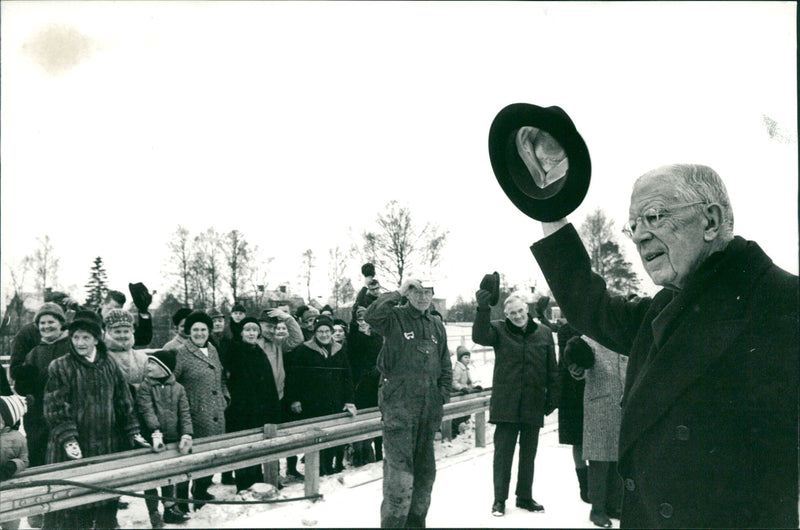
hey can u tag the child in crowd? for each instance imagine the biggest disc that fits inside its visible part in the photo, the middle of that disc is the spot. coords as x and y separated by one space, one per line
163 410
13 446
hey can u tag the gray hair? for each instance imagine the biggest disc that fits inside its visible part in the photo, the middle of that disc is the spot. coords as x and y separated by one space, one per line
696 182
511 298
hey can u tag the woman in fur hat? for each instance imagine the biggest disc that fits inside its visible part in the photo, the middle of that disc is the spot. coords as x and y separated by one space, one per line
80 426
31 376
198 369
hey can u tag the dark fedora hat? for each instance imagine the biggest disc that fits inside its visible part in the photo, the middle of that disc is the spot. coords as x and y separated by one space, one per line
540 160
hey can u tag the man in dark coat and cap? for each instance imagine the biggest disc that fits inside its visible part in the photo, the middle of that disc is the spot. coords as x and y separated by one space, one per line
709 413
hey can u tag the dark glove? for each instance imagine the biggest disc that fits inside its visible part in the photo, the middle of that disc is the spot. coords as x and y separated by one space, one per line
541 305
483 297
141 296
579 353
491 283
8 469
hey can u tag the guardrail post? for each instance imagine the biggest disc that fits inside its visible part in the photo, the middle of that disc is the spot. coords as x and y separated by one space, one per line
447 429
480 429
312 473
271 469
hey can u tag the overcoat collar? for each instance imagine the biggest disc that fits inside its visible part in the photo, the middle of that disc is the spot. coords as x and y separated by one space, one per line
312 344
712 313
192 348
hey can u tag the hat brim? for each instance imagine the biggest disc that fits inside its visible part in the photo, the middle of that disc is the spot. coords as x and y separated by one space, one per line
559 198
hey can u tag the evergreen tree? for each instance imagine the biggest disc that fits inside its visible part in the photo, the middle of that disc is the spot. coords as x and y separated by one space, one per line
97 287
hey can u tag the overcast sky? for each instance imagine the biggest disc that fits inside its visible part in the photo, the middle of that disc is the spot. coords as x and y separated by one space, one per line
296 122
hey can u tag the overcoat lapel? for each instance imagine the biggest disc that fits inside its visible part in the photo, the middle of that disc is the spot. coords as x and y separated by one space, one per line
194 350
715 314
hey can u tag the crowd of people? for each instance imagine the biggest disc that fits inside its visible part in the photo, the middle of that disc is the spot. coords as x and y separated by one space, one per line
681 408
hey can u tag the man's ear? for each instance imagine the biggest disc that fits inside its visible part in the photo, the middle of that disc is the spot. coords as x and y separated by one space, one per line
714 217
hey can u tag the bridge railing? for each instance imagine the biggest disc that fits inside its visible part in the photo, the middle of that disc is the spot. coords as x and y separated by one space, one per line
141 469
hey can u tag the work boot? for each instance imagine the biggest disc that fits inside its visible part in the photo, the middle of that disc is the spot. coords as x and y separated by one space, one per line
174 515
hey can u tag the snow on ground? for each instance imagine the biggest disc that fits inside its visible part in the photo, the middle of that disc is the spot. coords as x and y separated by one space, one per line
462 495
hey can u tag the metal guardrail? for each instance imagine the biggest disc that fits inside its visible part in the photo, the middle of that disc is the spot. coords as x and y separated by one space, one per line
141 469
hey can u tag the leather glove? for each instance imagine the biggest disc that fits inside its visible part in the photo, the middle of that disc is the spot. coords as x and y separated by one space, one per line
296 407
8 470
351 408
137 441
185 445
483 297
141 296
72 449
158 442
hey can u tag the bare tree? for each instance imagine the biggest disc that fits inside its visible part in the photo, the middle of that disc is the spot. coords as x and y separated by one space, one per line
208 264
181 259
45 265
398 244
237 262
342 290
17 273
308 265
597 232
259 277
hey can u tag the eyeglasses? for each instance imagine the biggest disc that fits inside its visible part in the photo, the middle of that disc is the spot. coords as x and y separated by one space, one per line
653 218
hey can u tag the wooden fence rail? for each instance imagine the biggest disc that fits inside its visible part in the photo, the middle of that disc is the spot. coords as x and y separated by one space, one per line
141 469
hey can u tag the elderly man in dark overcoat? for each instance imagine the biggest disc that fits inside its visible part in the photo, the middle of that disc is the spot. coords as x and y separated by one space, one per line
709 427
524 390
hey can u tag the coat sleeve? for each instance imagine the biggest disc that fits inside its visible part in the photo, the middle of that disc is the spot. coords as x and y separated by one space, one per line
348 392
24 341
380 314
582 295
145 407
184 412
143 332
553 379
123 404
446 378
459 377
58 410
482 331
295 337
21 458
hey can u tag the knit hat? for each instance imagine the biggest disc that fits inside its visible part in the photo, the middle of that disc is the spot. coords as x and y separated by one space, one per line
368 269
310 312
340 322
462 351
118 317
50 308
323 320
238 307
180 314
88 321
249 320
195 317
12 409
301 311
579 352
215 313
264 317
165 358
326 308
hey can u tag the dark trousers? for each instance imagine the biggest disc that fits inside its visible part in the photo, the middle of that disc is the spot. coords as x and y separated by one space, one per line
101 515
331 460
605 487
248 476
199 484
152 504
505 440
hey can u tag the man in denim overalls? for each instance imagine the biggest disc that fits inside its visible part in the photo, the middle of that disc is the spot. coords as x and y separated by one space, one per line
415 382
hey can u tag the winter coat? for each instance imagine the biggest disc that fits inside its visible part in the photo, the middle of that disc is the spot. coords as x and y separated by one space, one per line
13 447
525 379
162 405
709 420
570 396
602 412
254 396
362 351
26 339
322 383
275 352
175 342
133 364
414 362
202 378
88 401
5 386
461 378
